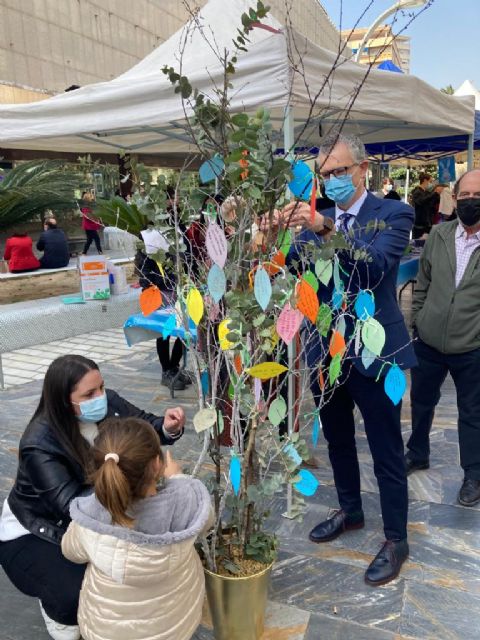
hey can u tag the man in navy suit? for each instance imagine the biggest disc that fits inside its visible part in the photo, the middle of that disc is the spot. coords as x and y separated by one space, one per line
343 166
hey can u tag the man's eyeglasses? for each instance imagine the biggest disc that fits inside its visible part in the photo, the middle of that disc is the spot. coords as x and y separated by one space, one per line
339 171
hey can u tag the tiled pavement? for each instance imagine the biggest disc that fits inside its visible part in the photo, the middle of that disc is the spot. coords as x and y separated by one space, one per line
317 591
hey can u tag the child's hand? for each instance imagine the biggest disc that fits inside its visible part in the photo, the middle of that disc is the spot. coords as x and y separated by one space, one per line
172 468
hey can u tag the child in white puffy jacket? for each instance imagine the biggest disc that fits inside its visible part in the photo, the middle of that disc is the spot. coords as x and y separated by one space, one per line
144 578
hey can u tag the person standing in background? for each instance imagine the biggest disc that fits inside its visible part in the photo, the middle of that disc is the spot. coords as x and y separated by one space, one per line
89 224
425 201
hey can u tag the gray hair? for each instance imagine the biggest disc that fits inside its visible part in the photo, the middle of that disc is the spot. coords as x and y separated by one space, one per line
354 144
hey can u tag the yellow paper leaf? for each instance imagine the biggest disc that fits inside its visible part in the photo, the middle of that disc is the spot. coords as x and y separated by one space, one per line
266 370
195 305
223 329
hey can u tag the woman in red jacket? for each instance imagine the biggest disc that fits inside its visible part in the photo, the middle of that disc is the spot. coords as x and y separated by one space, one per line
19 254
89 223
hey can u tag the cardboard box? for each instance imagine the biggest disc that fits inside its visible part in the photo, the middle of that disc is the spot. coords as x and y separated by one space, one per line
94 278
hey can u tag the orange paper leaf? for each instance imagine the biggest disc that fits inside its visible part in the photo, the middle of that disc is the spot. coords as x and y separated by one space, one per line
279 259
337 344
307 301
150 300
321 379
237 363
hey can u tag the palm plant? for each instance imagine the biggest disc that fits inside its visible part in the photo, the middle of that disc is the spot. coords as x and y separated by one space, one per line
32 187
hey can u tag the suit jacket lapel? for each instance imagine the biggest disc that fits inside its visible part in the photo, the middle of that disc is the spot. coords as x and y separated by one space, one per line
368 211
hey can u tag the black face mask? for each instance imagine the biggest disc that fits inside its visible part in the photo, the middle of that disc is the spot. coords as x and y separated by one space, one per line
468 211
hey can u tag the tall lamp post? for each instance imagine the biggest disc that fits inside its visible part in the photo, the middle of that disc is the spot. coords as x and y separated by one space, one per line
400 4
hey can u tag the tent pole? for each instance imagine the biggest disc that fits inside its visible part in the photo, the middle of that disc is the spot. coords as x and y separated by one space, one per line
288 143
407 184
470 152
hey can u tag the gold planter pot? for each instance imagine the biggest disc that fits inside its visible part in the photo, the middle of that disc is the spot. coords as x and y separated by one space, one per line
237 605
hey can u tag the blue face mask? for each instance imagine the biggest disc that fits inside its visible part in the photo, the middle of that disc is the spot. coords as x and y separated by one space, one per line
93 410
341 189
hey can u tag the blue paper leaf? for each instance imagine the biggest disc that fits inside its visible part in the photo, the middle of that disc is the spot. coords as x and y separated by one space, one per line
395 384
292 453
364 305
204 379
217 282
235 473
307 485
169 326
302 183
337 299
211 169
262 288
367 357
316 431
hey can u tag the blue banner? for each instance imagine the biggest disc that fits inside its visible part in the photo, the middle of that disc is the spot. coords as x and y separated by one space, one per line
446 169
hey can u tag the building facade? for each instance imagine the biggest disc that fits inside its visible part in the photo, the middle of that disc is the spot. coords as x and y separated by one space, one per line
49 45
383 45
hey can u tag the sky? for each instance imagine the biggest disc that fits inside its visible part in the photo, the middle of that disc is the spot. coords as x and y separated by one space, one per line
444 38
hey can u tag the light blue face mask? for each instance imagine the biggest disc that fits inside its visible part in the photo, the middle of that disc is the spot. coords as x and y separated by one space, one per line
93 410
340 189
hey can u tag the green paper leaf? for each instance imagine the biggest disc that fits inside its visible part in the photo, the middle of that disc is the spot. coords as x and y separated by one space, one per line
324 319
309 277
324 271
334 368
277 411
373 336
285 239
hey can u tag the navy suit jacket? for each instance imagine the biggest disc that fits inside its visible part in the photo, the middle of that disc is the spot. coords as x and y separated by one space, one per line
385 248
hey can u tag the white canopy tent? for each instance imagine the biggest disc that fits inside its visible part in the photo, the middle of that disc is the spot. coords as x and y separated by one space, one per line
139 111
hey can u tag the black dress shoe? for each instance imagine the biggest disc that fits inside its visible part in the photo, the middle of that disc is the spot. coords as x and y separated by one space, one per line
170 380
469 494
387 563
333 527
415 465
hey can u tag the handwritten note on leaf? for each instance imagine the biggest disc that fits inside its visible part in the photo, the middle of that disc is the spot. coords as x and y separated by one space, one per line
262 288
307 301
216 282
288 323
373 336
266 370
150 300
204 419
216 244
395 384
307 484
195 305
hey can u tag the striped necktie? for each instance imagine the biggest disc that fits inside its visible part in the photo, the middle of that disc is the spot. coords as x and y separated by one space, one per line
344 220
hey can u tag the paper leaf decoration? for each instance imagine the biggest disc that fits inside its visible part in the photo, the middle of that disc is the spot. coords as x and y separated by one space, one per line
235 474
307 484
262 288
307 301
216 244
195 305
368 357
266 370
364 305
220 423
315 431
321 379
337 299
324 319
288 323
285 239
324 270
169 326
223 330
337 281
237 363
311 279
211 169
257 389
216 282
358 342
204 419
341 325
277 411
373 336
395 384
292 453
337 344
150 300
302 183
205 382
334 369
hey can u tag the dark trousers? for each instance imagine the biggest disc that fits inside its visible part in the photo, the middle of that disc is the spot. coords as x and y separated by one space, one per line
169 362
92 236
37 568
427 380
382 427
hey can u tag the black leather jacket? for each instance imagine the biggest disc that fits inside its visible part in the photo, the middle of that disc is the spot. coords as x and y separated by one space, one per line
48 478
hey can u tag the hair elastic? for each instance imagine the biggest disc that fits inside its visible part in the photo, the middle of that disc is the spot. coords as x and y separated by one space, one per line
112 456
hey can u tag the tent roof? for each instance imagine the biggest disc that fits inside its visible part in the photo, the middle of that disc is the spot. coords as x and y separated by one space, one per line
139 111
467 88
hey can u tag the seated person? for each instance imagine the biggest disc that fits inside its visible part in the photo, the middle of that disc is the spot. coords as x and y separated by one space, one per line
53 242
19 254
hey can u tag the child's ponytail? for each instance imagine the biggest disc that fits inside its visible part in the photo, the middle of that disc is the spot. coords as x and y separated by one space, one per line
124 452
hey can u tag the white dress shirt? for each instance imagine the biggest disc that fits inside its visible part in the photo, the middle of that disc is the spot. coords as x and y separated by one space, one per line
352 210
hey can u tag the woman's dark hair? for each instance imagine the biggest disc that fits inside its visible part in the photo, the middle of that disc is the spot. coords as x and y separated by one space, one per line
119 483
55 406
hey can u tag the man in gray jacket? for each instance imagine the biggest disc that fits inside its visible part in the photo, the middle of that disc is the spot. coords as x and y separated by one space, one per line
446 319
